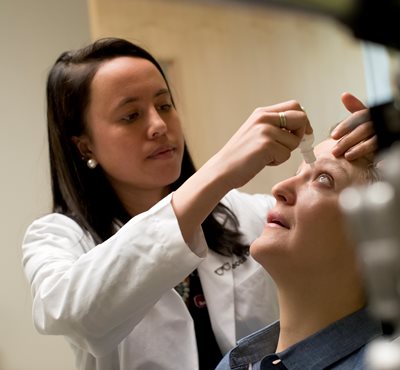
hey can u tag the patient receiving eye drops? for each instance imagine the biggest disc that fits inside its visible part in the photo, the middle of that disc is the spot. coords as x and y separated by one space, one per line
306 148
324 314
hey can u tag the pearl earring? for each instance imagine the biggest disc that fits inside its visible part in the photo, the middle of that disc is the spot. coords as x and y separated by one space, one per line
92 163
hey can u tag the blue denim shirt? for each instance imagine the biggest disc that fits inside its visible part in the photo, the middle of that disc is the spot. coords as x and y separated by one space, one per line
339 346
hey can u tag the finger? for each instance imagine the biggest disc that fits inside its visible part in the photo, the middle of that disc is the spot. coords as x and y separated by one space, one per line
350 123
297 122
285 138
358 135
363 149
274 134
309 130
293 120
278 154
284 106
352 103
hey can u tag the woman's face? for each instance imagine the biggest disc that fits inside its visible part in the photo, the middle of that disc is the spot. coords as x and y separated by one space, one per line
133 130
305 231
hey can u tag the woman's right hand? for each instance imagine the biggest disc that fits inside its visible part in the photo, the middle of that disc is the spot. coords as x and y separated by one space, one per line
259 142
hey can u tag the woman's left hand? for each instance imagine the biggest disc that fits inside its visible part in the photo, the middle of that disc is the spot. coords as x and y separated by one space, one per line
356 134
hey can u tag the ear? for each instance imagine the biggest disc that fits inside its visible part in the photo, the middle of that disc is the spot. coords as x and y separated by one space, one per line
83 145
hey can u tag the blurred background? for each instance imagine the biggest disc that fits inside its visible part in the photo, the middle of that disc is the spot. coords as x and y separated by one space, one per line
223 61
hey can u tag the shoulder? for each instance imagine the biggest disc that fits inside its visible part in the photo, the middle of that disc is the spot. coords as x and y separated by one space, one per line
55 228
50 244
55 221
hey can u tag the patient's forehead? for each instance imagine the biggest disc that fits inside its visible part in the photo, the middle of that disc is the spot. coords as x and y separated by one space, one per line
323 154
324 149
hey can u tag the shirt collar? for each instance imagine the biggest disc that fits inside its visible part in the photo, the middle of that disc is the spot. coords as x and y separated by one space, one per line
254 347
315 352
332 343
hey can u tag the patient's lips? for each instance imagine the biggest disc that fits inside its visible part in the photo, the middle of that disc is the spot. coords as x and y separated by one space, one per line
274 219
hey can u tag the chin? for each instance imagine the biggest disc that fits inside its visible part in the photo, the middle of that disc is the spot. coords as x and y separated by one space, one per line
168 174
173 176
266 248
261 247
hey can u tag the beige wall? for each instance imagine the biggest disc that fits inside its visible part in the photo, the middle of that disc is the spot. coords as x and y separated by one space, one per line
227 60
32 35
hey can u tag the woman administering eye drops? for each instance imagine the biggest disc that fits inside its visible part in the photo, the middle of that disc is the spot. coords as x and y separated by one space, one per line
324 321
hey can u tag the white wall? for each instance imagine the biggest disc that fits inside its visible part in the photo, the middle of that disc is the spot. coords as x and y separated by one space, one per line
32 34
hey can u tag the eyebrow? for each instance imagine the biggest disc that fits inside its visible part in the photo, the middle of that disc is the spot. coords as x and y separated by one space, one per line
132 99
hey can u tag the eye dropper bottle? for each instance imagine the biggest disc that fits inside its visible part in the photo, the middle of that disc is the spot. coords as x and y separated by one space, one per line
307 150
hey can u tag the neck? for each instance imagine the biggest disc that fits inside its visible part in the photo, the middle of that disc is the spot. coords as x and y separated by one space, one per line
309 306
138 201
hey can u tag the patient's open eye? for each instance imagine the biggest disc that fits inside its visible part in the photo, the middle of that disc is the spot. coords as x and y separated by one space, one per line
325 179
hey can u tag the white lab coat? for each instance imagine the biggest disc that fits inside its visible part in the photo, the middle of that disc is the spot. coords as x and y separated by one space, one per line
115 302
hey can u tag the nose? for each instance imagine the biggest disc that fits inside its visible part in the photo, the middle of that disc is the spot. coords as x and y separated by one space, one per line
285 191
157 126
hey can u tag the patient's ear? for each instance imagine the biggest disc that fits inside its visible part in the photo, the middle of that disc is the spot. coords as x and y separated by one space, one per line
83 146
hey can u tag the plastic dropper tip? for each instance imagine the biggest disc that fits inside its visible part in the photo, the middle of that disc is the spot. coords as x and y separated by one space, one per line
306 148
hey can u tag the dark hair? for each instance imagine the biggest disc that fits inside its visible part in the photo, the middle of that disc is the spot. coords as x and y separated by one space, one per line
86 195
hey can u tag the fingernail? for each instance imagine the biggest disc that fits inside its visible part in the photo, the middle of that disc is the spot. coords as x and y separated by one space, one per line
349 155
336 151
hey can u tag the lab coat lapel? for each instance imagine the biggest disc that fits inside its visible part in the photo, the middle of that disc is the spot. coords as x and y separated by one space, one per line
216 277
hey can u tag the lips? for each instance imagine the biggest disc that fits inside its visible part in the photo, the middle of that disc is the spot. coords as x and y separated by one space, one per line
162 150
277 219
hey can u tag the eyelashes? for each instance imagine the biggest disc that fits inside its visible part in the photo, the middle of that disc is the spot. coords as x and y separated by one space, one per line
132 117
